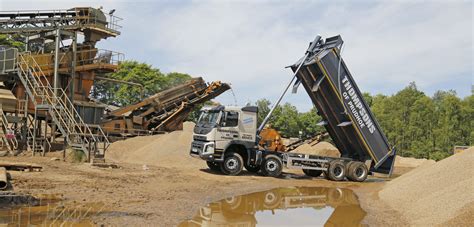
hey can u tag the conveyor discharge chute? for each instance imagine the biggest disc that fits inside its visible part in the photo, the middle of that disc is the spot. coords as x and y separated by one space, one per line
163 111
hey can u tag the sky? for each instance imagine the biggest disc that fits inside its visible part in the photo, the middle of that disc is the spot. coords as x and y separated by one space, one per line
387 44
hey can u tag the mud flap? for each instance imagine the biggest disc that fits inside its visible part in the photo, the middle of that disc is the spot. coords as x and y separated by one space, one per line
386 167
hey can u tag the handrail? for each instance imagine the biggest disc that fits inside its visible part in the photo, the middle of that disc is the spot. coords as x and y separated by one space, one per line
82 16
67 114
88 56
21 109
50 100
4 122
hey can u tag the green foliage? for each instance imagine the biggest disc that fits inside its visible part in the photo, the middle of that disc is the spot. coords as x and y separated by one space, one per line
263 109
424 127
77 156
152 80
416 124
12 41
288 121
308 121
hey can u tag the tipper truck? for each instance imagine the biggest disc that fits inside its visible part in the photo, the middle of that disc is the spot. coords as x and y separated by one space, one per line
227 137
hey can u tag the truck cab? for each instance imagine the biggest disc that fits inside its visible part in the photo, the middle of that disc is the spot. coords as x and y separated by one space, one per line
225 131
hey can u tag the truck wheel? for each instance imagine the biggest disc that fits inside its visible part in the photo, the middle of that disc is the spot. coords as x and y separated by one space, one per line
272 166
252 168
357 171
214 166
271 200
312 172
336 170
232 164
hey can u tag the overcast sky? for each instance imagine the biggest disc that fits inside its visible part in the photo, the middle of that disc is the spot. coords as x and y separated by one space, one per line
248 43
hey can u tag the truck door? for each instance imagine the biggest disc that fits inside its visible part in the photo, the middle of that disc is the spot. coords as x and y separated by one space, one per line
228 129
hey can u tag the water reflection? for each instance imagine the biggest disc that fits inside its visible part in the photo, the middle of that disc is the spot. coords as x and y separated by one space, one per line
45 210
296 206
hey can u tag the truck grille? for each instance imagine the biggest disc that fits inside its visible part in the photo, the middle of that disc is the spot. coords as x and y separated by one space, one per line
200 138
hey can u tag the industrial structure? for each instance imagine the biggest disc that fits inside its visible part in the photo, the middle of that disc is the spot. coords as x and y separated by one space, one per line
45 85
163 111
52 77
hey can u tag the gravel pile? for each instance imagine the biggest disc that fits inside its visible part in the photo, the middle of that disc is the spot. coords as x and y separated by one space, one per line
321 148
166 150
411 162
441 192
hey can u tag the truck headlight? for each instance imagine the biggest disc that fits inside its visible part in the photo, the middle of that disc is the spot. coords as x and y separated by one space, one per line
209 148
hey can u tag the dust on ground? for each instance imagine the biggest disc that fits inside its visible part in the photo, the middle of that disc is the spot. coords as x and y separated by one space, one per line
159 184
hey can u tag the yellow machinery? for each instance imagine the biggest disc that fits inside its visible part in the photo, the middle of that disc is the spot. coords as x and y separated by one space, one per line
271 140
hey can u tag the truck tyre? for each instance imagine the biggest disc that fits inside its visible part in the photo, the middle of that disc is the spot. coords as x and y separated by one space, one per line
214 166
312 172
272 166
232 164
252 168
336 170
357 171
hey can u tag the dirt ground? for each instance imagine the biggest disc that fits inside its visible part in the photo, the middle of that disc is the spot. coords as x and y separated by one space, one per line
159 184
164 196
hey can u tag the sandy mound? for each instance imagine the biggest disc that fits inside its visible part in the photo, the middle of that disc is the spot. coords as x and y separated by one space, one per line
435 193
321 148
167 150
411 162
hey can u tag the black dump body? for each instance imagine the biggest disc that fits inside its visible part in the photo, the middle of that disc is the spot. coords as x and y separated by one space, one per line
346 116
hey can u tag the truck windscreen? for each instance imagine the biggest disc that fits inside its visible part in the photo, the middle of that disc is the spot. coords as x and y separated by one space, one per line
208 119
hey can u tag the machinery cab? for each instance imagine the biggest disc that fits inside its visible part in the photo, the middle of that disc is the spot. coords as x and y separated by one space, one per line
223 128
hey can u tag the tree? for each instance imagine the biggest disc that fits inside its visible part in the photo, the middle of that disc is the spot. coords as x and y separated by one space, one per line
308 123
152 80
368 98
12 41
424 127
422 123
400 111
286 120
448 131
382 107
467 124
263 109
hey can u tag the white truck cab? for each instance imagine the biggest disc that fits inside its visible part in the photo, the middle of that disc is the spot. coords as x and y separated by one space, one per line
222 129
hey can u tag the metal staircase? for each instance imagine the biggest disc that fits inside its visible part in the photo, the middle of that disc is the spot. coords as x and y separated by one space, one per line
54 101
7 136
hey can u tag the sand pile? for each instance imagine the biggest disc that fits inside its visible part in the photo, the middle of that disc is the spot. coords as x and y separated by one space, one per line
411 162
321 148
166 150
442 192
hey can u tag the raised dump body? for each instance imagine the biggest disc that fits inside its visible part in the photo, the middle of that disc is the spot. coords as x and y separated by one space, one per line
346 116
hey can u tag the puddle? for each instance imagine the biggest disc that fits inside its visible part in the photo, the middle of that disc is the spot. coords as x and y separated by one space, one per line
295 206
45 210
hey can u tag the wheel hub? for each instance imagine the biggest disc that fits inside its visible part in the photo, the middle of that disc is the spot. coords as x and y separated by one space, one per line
338 171
271 165
231 164
359 172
